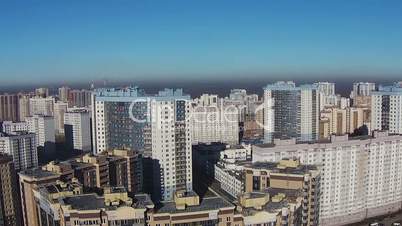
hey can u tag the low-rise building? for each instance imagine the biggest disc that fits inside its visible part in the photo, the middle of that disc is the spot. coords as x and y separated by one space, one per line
188 209
29 181
113 208
274 207
65 204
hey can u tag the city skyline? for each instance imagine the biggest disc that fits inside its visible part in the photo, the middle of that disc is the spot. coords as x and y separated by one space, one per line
195 41
200 113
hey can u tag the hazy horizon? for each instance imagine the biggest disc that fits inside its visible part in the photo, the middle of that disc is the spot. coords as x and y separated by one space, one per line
49 42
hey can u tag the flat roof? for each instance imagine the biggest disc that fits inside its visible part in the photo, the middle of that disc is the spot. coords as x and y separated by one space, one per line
85 202
210 203
38 173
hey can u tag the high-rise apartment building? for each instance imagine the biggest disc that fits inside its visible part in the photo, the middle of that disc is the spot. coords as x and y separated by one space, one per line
10 214
23 107
9 104
41 106
64 93
326 88
60 109
328 98
362 89
79 98
361 177
43 127
341 121
156 125
386 108
42 92
77 130
22 147
291 111
213 121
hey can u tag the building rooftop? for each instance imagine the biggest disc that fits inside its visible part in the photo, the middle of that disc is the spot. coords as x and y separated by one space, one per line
300 169
84 202
333 139
287 196
211 203
143 201
37 173
128 93
289 85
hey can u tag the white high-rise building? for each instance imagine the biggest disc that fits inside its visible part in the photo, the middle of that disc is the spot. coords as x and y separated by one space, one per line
22 147
362 89
64 93
238 94
10 127
41 106
361 178
326 88
158 126
213 121
60 109
43 127
78 130
386 108
291 111
328 98
42 92
23 107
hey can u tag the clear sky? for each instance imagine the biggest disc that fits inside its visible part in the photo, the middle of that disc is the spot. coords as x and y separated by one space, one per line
73 40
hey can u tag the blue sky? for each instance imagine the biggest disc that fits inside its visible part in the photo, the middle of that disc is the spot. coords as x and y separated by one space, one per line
69 41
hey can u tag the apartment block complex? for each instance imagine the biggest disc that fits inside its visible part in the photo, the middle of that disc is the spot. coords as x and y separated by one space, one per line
267 179
341 121
361 176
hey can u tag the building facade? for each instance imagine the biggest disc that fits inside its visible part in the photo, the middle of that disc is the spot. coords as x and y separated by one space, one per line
22 147
60 108
158 126
9 107
10 214
356 173
386 108
291 111
10 127
43 128
41 106
77 130
29 180
213 121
